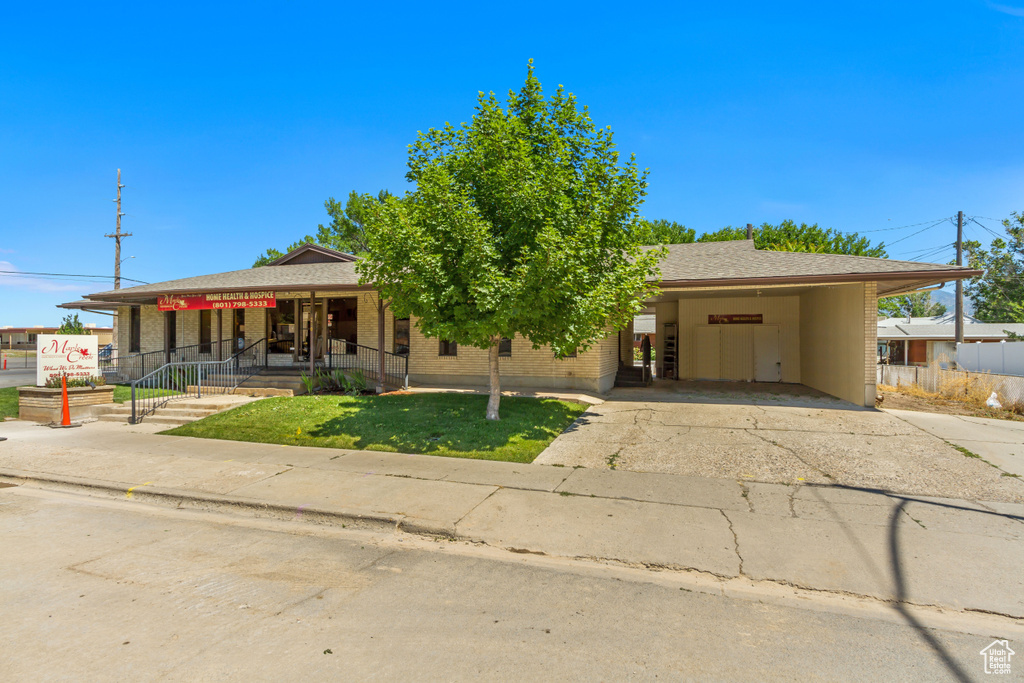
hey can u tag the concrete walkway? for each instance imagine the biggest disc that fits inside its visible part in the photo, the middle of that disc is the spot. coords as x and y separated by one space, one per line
957 554
1000 442
791 435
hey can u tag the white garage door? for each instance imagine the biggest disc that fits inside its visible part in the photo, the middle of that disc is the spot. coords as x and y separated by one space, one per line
738 352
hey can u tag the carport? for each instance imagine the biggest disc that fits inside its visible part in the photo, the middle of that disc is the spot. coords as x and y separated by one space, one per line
726 311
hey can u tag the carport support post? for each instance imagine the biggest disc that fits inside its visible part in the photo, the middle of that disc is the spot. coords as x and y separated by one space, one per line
959 328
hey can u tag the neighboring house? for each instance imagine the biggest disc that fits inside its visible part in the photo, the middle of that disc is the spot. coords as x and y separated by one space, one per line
921 341
25 337
644 325
722 311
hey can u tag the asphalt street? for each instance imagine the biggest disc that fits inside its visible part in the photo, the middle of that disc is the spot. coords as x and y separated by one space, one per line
16 377
96 589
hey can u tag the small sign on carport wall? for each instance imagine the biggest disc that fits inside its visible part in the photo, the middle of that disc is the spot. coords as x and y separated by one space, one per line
736 319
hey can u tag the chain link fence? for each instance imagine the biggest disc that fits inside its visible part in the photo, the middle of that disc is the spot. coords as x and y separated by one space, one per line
950 383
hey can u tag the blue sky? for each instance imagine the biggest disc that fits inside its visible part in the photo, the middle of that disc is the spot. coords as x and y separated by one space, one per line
233 123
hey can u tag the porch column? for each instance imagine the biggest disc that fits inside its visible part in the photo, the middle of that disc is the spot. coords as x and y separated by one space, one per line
297 326
220 334
312 332
323 328
380 344
167 338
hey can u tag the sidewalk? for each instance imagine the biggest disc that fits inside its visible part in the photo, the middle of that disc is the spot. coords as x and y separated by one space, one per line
963 555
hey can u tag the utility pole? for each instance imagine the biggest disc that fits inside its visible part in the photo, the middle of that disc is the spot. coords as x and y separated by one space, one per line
959 283
117 235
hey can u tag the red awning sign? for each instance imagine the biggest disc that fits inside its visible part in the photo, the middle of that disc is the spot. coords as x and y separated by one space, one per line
197 302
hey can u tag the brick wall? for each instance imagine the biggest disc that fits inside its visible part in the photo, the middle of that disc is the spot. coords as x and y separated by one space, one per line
870 341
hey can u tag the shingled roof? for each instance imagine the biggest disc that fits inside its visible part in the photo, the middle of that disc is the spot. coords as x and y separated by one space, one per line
737 262
702 264
337 275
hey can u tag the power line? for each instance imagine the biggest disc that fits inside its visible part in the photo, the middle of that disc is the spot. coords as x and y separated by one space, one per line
985 227
927 253
66 275
916 233
912 225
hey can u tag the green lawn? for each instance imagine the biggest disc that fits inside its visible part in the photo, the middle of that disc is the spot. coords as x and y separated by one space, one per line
437 424
123 392
9 398
8 402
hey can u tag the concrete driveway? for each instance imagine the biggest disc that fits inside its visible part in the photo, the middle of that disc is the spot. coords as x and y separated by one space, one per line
783 434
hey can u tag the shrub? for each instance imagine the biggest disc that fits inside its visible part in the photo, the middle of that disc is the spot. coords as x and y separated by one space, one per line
55 383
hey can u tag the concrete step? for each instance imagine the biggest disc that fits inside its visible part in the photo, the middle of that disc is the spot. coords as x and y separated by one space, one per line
175 412
254 391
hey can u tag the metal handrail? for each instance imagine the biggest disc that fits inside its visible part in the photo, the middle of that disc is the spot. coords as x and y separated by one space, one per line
124 368
346 355
186 379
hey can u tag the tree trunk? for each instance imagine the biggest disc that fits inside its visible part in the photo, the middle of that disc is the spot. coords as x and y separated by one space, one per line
492 362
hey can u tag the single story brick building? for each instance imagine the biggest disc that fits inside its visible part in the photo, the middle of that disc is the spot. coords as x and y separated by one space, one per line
723 311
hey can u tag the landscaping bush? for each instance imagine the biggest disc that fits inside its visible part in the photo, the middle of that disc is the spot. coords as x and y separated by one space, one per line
55 383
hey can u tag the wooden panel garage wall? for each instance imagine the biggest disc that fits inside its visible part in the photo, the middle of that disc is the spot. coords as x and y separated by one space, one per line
735 360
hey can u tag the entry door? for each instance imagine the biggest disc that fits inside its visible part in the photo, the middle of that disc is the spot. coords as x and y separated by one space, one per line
767 358
708 353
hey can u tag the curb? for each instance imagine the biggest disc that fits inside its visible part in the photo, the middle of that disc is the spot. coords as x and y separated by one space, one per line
239 505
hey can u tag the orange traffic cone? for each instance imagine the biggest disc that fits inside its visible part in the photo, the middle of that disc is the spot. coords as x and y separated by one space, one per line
65 412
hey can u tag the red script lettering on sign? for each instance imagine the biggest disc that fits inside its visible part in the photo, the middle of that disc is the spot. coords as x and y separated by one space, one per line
196 302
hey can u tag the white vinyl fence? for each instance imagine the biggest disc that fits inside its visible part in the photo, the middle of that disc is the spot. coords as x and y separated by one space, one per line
930 378
1002 358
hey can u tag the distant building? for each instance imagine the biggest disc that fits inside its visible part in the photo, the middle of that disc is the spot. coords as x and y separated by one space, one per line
644 326
25 337
921 341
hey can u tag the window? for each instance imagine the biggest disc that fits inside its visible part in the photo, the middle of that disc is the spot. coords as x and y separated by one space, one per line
448 348
172 330
505 348
205 331
134 330
566 355
402 337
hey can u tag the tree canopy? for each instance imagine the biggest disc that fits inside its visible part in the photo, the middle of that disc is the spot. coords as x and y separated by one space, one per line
523 222
346 232
998 294
786 236
71 325
917 305
661 231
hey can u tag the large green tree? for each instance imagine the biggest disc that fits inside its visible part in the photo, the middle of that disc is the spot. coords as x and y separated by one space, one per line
523 221
998 294
346 232
917 305
661 231
788 236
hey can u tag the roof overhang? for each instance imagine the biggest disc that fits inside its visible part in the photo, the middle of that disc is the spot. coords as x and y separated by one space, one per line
889 284
151 297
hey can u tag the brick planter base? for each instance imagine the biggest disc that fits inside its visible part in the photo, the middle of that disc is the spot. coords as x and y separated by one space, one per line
41 404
